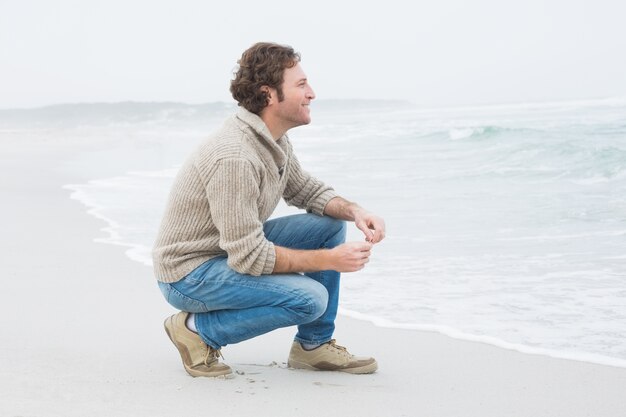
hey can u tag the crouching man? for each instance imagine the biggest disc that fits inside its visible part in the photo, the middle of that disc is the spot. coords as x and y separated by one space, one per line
235 275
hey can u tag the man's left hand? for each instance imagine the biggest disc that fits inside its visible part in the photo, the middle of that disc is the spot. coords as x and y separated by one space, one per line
371 225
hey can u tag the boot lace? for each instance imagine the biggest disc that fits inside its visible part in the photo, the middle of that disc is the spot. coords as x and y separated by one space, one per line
212 355
334 344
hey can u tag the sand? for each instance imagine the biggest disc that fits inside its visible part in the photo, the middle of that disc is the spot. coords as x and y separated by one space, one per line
82 333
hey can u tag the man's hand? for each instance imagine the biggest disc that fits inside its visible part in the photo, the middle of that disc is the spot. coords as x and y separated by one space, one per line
347 257
371 225
350 256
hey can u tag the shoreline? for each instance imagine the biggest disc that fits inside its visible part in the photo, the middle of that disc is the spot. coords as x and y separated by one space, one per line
135 251
456 334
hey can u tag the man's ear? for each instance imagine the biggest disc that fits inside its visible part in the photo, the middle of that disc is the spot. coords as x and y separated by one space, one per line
269 93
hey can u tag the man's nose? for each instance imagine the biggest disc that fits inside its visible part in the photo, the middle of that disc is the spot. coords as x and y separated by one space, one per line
310 94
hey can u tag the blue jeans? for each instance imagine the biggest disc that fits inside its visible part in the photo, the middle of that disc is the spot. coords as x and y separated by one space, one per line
231 307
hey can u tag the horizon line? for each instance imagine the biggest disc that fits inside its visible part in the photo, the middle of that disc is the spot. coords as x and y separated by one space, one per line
451 106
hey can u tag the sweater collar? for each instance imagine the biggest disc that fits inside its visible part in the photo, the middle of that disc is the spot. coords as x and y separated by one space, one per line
256 123
276 147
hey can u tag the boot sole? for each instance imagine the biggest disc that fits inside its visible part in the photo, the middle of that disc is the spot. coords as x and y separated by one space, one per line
367 369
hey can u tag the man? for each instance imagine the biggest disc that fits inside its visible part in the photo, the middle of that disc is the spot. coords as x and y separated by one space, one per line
233 274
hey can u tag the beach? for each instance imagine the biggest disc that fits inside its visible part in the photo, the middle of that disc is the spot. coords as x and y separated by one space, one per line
83 332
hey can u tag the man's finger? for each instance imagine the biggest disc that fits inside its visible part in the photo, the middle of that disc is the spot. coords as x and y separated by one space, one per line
365 246
362 226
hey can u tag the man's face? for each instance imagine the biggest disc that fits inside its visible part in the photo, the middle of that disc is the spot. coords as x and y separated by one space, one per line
293 110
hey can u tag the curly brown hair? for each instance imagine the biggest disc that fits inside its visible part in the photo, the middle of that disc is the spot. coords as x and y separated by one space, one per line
261 64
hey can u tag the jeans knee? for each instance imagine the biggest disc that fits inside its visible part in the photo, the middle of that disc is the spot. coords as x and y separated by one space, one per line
320 304
315 304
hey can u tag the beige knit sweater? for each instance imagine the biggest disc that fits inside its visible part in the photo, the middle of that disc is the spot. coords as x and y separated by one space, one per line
224 193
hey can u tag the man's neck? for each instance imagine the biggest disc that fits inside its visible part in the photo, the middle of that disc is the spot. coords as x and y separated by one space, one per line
276 128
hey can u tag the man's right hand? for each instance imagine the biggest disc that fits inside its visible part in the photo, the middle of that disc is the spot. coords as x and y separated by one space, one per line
350 256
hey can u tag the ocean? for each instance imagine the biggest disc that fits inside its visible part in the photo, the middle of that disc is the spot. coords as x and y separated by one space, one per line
505 224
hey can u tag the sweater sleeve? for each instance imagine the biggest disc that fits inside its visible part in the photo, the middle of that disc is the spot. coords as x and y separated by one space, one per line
304 191
233 192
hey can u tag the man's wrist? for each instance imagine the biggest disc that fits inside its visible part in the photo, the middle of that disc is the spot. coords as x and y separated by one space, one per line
356 210
324 259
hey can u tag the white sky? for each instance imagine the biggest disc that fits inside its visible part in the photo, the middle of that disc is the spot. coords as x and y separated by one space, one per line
441 52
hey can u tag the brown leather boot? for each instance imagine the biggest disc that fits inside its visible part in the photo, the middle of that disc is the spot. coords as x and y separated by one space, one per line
199 359
329 357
